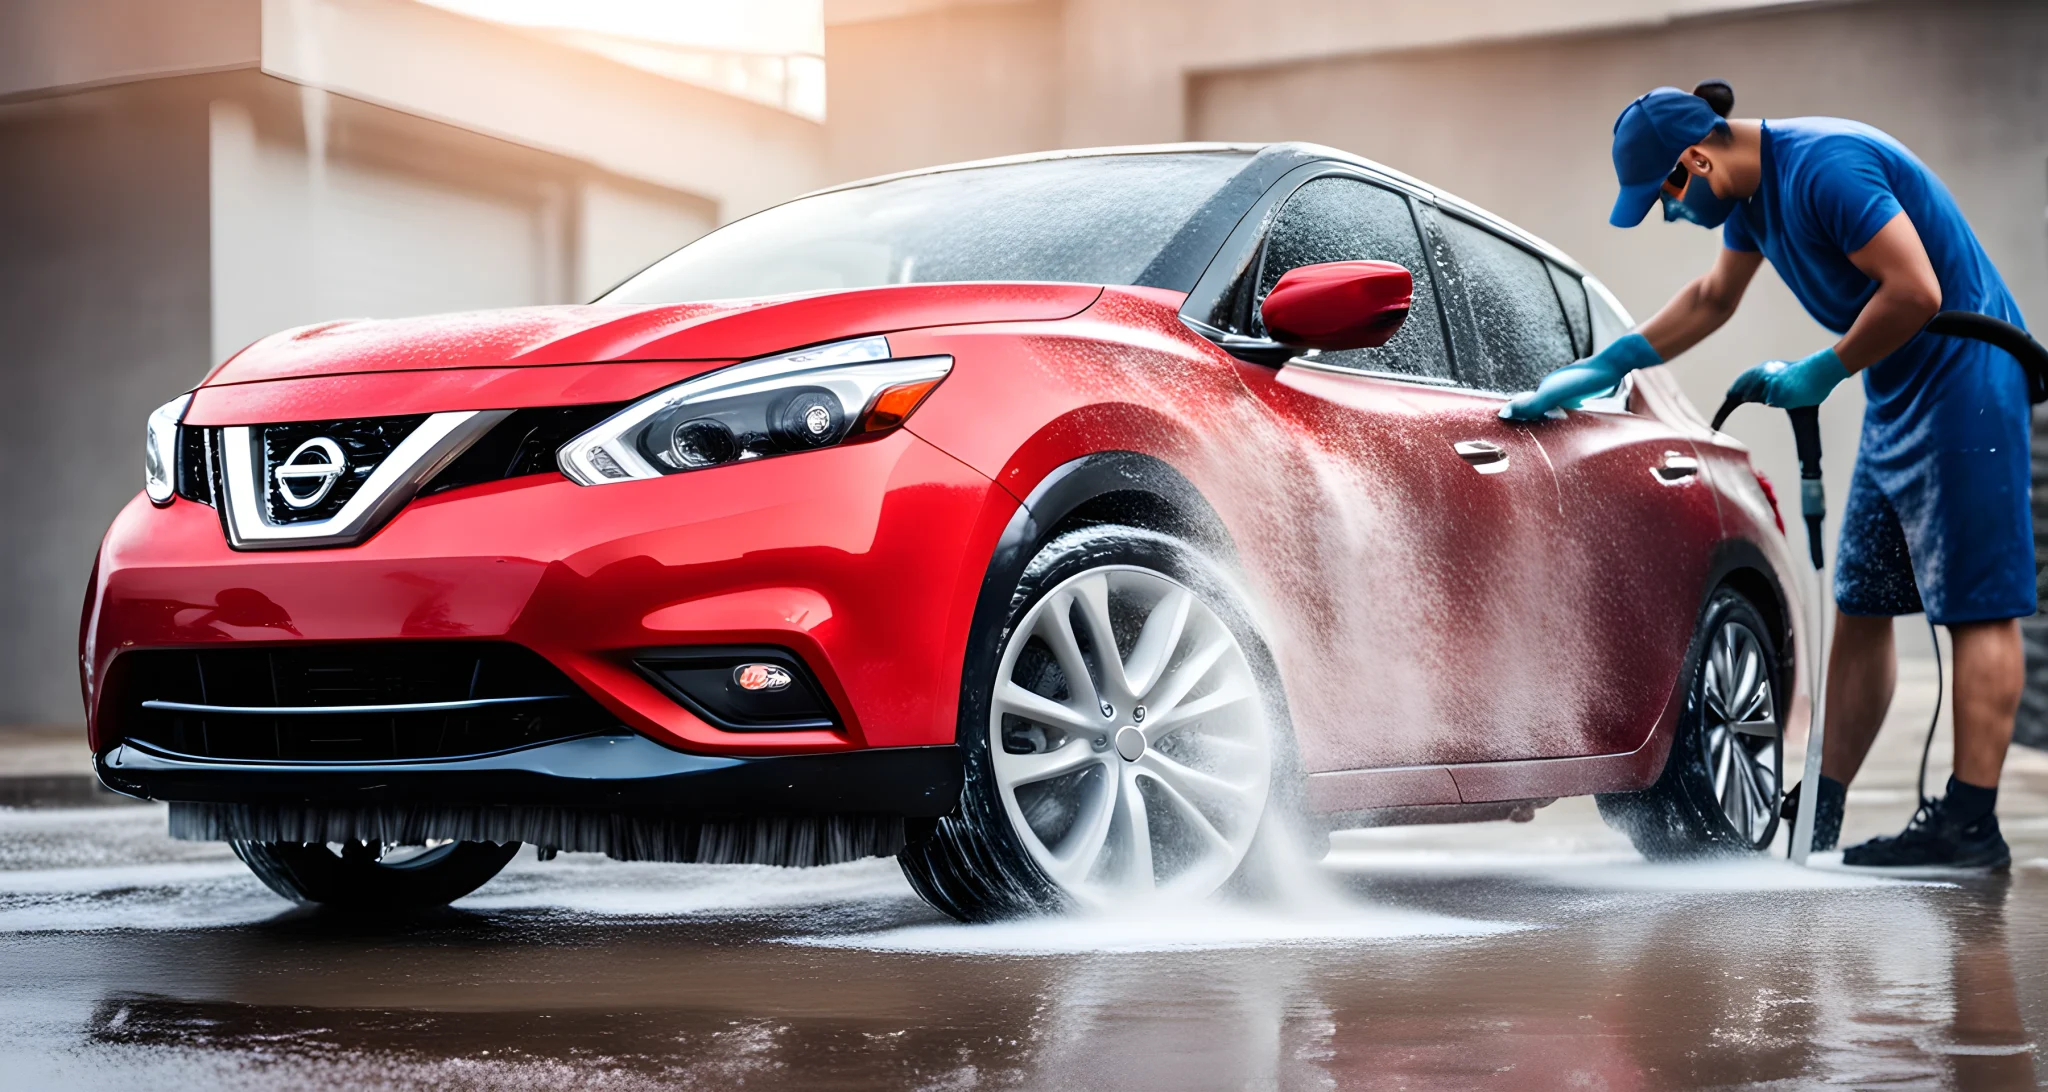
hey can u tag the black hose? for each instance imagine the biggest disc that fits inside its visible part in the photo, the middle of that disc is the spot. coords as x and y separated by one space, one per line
1933 719
2032 357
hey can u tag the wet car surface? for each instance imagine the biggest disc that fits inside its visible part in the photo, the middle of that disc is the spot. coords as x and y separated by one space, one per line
1545 955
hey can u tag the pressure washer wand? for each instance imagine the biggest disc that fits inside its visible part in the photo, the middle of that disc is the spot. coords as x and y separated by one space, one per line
1813 496
1813 506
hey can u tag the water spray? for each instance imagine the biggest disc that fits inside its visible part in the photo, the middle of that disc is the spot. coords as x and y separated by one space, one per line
1813 506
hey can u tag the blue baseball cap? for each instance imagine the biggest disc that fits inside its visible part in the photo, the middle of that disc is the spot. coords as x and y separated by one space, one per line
1649 136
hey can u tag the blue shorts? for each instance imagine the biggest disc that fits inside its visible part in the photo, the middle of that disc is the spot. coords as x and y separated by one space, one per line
1950 533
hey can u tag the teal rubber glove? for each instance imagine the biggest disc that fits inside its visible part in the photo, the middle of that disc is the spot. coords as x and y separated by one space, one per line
1791 384
1576 382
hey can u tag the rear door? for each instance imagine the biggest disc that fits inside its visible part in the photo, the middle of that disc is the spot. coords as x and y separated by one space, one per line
1410 581
1620 585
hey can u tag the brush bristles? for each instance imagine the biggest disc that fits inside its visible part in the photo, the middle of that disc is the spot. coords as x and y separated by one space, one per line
771 840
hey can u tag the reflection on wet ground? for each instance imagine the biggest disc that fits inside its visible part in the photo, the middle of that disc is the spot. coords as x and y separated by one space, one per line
1498 956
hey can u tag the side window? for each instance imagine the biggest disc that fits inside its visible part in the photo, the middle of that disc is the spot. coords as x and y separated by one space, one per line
1504 310
1342 220
1578 313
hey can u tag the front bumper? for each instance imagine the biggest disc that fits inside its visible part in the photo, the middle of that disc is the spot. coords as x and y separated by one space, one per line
864 561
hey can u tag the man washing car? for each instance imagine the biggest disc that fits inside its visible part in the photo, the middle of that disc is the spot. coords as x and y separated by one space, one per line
1937 517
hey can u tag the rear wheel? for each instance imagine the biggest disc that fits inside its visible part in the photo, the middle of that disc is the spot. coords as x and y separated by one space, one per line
367 876
1723 781
1117 736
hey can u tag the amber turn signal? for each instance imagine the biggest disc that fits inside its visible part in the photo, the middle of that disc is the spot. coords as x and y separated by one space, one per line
894 405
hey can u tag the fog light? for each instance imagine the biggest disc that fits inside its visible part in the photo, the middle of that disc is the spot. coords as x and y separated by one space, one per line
742 688
761 677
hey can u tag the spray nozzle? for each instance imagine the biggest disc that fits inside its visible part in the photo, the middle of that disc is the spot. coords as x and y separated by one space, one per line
1813 495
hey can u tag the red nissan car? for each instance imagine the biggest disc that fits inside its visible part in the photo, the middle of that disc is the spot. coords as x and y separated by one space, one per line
1052 524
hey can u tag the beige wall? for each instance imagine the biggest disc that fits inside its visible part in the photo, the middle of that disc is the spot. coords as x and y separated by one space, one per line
527 90
71 44
1121 66
941 85
103 295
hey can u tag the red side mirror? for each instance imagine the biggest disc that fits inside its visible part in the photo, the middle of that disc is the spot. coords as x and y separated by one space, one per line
1339 305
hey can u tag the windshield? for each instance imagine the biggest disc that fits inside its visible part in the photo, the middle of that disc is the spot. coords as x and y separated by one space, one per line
1087 220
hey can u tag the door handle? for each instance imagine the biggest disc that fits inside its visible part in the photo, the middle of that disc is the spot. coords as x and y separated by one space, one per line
1676 469
1485 456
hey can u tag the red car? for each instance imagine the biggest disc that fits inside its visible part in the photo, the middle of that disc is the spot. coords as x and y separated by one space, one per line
1050 523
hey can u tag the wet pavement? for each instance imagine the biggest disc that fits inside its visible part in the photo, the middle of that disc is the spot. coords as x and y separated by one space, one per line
1522 956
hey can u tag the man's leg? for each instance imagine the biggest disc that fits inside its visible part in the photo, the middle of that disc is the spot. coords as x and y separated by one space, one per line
1960 828
1990 672
1863 671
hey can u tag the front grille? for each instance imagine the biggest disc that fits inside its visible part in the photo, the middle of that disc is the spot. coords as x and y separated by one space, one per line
364 444
195 463
306 702
522 444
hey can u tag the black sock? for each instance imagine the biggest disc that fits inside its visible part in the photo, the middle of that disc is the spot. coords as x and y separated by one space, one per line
1967 803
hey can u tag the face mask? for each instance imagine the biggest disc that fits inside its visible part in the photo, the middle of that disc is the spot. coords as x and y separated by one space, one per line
1699 205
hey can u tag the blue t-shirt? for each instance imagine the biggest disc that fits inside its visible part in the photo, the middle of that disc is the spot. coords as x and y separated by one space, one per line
1828 186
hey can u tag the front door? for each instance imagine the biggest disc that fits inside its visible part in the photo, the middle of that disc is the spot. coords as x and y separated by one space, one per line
1625 573
1420 632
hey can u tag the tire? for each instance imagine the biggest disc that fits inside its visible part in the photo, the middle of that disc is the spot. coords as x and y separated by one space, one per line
1192 774
1722 784
359 878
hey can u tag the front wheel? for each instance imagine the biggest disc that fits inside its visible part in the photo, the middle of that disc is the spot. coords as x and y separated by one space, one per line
368 876
1723 781
1118 734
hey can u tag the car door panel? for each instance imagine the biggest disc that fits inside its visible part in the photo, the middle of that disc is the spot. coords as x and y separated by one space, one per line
1637 521
1427 566
1642 521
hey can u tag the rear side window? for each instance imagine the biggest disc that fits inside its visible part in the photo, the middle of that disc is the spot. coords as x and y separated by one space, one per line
1578 313
1504 310
1343 220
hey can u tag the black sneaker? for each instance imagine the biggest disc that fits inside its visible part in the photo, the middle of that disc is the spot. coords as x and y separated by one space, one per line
1827 812
1932 840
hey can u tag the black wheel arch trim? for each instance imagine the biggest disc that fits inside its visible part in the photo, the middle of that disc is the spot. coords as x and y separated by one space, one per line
1068 489
1739 557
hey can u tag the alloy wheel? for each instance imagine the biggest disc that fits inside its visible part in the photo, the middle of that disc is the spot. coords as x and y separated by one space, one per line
1741 733
1128 738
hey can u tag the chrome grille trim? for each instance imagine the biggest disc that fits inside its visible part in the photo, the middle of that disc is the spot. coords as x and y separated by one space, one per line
319 710
421 455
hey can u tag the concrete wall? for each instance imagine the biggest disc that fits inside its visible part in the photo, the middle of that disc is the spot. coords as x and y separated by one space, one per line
1122 65
104 300
526 90
942 85
1523 129
50 45
325 207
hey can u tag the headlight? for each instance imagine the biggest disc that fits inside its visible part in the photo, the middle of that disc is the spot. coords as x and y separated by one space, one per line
778 405
160 450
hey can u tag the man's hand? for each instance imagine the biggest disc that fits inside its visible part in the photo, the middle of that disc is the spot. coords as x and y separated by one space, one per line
1791 384
1578 381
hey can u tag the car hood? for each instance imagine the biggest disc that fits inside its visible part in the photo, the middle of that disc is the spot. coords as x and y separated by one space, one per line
600 333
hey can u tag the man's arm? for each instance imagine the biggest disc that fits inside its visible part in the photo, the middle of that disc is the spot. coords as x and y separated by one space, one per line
1908 294
1700 308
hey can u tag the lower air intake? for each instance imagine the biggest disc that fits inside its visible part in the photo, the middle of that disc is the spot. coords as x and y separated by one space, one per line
351 702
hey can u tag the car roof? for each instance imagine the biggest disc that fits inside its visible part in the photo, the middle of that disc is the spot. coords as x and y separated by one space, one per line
1302 151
